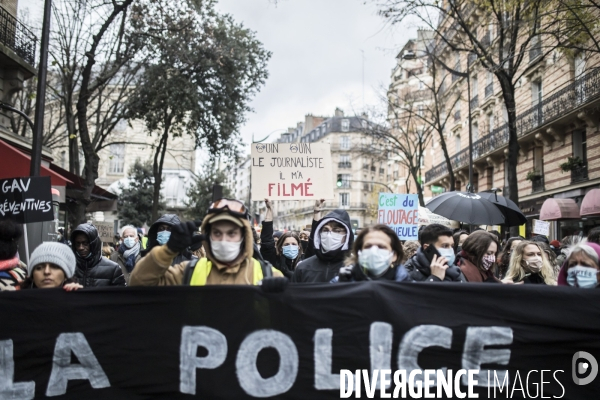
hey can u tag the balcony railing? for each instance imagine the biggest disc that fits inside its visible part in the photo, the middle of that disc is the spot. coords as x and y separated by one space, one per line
418 95
344 164
579 173
17 37
489 90
475 102
560 103
537 184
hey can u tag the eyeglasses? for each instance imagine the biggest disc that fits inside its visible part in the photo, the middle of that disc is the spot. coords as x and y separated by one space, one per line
235 207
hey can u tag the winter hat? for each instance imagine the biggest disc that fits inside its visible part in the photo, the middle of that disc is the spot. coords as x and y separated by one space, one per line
277 234
55 253
555 244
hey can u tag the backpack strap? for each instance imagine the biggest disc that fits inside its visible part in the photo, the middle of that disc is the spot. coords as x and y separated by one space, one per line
189 271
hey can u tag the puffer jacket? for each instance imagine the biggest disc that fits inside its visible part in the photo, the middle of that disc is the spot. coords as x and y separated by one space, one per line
171 220
96 270
418 268
323 267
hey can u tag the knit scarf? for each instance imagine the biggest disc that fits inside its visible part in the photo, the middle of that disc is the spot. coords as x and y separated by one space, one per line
130 255
9 264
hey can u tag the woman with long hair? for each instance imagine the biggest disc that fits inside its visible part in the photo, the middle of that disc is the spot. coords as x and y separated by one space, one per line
285 253
504 256
377 254
478 256
529 263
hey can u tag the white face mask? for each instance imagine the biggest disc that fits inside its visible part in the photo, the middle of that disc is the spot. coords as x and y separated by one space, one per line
331 241
375 260
225 251
533 265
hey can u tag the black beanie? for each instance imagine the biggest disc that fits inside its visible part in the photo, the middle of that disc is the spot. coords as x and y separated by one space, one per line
10 233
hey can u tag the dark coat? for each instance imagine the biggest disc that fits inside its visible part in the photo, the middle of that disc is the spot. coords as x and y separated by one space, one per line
474 274
535 279
353 273
96 270
171 220
323 267
418 268
269 253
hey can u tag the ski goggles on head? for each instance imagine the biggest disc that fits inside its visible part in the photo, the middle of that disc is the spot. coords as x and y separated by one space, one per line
234 207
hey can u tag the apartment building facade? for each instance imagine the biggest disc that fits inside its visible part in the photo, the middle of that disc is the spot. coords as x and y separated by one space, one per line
557 108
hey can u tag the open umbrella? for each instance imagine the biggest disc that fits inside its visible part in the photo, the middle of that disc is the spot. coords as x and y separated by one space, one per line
512 214
470 208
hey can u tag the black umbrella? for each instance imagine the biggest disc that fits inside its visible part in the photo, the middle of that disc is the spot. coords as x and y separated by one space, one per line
470 208
512 214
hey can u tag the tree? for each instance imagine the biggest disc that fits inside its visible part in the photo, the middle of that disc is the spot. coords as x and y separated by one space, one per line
201 191
134 205
203 71
501 34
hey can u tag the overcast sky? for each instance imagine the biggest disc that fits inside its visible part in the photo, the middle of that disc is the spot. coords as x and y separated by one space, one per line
317 62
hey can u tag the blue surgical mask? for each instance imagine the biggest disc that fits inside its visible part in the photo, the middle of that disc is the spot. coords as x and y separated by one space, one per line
448 254
129 242
162 237
583 277
290 251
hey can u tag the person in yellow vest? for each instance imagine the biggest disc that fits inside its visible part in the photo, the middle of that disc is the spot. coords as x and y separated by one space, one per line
229 254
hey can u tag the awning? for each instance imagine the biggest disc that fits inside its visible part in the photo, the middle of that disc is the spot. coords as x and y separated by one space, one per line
591 203
15 164
555 209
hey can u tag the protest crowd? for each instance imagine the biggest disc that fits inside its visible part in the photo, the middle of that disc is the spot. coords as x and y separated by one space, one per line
224 249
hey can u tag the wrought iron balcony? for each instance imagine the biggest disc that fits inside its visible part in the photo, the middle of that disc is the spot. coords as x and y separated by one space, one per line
537 184
579 173
558 104
17 37
344 164
489 90
475 102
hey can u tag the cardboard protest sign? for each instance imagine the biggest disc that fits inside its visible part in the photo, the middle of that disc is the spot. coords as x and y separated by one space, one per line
291 171
541 227
26 200
401 213
106 231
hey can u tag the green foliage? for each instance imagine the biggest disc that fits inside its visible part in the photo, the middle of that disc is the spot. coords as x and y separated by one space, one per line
203 70
533 175
134 205
200 193
572 163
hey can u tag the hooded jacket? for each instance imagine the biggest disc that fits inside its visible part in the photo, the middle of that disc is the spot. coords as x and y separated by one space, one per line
418 268
269 253
167 219
562 274
95 270
323 267
157 267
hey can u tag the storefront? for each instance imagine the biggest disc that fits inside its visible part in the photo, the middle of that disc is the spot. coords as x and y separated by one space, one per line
572 216
590 209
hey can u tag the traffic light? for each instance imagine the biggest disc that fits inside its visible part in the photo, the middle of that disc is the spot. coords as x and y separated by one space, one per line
339 180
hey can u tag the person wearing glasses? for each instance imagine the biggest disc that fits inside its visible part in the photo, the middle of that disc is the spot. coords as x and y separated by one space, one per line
331 243
229 247
159 234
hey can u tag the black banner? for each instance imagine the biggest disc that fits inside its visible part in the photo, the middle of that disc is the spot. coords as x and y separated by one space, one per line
224 342
27 199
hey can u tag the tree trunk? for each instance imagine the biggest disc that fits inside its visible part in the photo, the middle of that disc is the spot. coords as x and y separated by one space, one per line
414 171
157 167
508 92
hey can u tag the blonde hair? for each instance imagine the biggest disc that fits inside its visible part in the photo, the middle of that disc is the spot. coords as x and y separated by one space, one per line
516 272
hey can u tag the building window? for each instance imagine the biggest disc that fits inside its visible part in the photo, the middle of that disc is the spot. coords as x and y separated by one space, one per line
538 159
345 142
474 87
491 122
63 159
345 125
344 158
579 64
364 124
457 143
475 131
580 144
117 158
536 92
344 199
346 180
420 110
